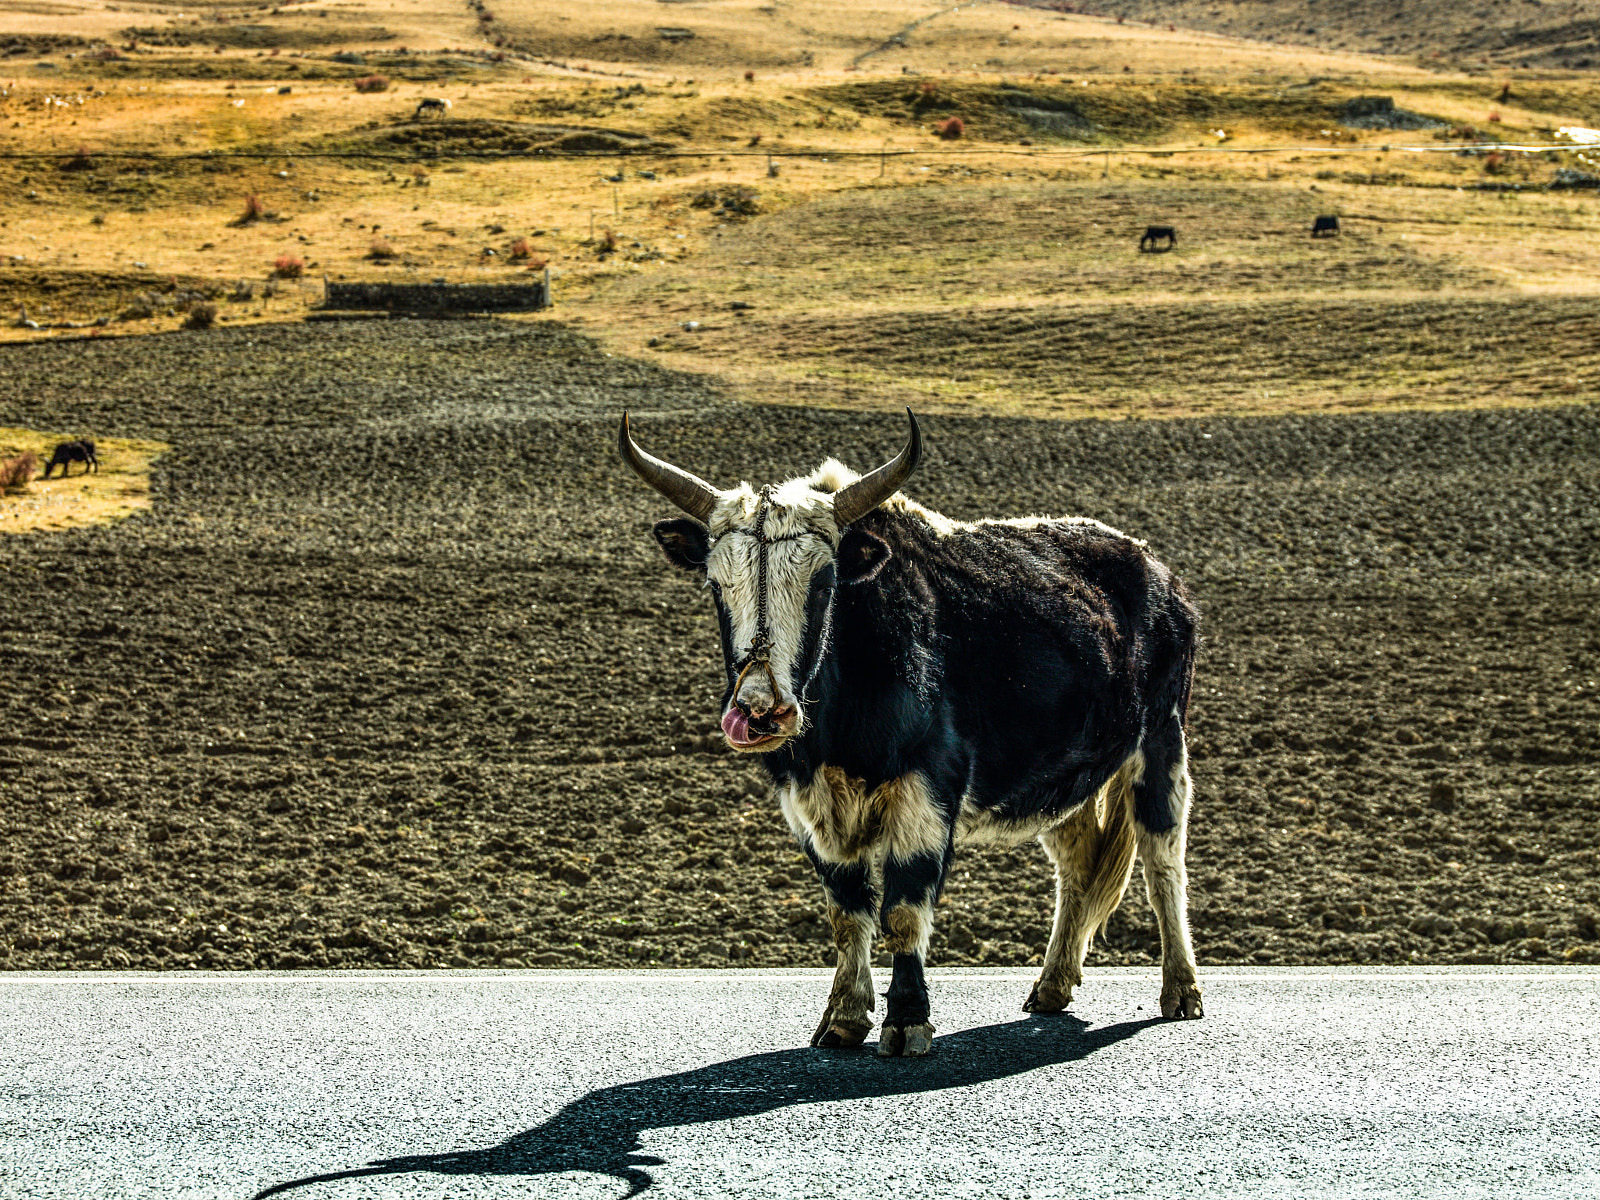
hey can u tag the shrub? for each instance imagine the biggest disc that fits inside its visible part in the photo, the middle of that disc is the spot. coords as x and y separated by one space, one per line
17 472
608 241
289 266
951 129
80 160
381 251
419 175
729 201
749 76
202 315
254 210
1495 163
521 248
929 89
1494 118
372 83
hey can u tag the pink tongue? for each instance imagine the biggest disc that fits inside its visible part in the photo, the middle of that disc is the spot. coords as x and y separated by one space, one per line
737 726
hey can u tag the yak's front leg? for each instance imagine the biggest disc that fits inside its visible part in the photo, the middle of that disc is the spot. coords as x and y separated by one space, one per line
910 887
919 841
853 912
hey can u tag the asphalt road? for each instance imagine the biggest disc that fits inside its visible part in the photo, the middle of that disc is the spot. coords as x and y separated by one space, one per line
1448 1082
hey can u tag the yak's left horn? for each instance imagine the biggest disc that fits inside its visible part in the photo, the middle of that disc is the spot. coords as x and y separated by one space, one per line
689 492
865 494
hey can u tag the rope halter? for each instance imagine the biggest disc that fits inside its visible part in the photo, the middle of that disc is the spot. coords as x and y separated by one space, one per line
761 643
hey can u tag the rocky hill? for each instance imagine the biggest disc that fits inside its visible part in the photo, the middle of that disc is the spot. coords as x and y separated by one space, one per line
1520 34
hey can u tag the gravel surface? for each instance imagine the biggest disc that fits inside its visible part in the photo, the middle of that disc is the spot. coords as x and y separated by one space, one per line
390 673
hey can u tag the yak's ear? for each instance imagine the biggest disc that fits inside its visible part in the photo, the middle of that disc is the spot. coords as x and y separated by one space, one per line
685 542
861 555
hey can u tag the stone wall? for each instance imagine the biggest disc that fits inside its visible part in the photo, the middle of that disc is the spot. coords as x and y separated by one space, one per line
438 297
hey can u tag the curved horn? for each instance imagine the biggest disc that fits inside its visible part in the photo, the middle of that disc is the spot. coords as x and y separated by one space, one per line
689 492
865 494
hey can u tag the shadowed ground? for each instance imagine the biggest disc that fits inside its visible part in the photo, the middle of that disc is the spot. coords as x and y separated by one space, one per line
600 1132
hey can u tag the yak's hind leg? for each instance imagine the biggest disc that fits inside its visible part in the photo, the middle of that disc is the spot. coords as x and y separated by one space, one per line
1161 824
853 913
1093 856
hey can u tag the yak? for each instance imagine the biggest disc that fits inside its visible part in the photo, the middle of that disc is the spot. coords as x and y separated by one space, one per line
908 682
67 453
1154 233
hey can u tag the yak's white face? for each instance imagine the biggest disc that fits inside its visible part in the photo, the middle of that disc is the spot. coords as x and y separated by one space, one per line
764 708
775 639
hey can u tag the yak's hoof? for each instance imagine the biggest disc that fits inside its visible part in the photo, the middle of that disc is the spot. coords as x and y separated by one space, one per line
840 1033
1047 998
911 1042
1182 1003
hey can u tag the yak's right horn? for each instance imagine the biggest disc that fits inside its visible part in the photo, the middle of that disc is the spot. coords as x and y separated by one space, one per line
689 492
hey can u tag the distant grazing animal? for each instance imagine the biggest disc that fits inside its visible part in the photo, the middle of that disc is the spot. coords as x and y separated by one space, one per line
1322 225
68 453
909 681
433 105
1155 233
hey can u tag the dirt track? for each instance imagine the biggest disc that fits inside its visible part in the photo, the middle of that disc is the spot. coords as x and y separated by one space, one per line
389 673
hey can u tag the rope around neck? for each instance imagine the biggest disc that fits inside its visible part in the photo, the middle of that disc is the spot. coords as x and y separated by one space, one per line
761 644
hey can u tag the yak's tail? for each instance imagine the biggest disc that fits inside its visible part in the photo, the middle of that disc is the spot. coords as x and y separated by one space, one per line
1112 865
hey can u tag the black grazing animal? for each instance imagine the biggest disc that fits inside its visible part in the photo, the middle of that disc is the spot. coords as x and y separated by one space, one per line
434 105
1322 225
909 681
68 453
1154 233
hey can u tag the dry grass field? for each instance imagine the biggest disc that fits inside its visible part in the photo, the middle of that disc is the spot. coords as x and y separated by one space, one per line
357 632
119 488
229 152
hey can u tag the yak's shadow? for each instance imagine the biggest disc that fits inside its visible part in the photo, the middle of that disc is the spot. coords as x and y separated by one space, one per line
599 1132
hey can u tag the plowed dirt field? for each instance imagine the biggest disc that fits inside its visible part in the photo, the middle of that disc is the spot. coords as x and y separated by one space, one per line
389 672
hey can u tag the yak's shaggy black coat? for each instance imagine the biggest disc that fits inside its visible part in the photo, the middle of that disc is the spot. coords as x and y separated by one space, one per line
1015 665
